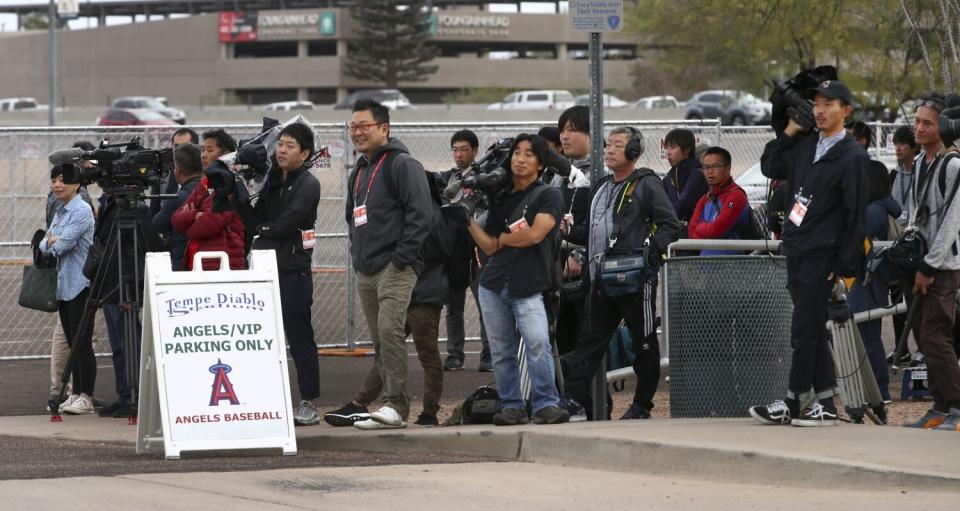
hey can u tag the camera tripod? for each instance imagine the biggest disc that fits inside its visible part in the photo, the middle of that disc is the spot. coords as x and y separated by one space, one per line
118 280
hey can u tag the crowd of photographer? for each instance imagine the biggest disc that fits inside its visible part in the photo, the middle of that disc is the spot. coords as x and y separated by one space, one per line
557 264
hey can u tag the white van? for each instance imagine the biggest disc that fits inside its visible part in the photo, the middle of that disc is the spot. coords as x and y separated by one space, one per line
535 100
11 104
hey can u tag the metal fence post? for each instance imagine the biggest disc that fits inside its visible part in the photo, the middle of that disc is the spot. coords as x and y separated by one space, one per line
351 276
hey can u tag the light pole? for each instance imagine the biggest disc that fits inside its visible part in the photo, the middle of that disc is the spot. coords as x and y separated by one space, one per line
52 55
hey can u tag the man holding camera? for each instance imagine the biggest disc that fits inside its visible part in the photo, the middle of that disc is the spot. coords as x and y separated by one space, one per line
388 214
823 240
287 212
187 172
630 216
934 209
464 263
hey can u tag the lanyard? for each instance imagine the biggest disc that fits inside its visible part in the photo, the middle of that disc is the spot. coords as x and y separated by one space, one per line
904 191
356 181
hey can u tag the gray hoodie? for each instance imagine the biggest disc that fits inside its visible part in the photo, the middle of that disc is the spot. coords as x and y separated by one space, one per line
942 230
399 210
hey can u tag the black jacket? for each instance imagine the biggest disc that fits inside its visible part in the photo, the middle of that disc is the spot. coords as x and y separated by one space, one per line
284 209
834 225
161 220
399 212
648 204
685 185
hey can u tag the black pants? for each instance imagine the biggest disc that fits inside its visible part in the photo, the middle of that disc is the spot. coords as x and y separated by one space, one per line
84 366
602 317
812 364
296 299
456 335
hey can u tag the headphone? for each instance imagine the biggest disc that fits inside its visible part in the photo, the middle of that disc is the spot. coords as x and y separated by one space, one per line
635 145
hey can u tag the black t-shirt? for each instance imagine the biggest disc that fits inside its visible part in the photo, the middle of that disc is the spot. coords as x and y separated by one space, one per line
524 271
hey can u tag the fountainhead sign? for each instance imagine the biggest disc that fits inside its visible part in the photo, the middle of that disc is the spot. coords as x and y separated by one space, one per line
596 15
285 24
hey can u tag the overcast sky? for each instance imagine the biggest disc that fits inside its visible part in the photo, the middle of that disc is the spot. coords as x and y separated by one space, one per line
8 22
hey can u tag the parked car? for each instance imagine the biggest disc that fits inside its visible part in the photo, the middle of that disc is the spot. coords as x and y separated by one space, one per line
390 98
285 106
133 117
656 102
730 106
608 101
535 100
11 104
150 103
755 184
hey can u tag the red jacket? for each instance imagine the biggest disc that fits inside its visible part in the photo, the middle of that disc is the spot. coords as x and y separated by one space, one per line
210 232
729 206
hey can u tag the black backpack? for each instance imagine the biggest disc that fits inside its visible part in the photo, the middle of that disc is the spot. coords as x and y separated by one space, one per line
480 407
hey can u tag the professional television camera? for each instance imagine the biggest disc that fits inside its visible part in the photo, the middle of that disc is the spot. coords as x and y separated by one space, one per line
790 98
485 183
125 167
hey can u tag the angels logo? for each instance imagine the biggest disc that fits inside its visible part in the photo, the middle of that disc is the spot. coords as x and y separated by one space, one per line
222 387
825 84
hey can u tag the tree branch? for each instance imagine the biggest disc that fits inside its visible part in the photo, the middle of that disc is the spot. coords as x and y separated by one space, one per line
923 46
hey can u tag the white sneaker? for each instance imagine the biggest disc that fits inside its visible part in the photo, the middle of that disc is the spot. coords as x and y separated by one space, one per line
70 399
388 417
82 405
368 424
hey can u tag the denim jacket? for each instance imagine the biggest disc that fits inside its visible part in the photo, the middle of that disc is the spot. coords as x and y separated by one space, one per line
74 224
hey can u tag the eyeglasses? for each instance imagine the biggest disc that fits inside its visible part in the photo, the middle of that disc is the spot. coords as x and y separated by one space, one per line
715 166
362 128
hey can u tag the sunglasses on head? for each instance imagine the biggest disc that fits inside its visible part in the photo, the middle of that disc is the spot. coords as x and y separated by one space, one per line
931 103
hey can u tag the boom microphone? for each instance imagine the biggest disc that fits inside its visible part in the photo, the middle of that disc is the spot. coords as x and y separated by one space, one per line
451 191
66 156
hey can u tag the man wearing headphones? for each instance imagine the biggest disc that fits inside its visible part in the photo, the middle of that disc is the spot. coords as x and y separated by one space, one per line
630 217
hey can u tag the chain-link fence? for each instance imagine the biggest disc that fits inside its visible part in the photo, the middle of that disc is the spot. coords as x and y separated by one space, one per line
24 183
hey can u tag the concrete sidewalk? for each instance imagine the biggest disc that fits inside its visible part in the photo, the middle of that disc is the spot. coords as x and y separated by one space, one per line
727 450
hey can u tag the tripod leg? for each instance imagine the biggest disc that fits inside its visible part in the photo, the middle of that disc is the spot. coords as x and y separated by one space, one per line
904 335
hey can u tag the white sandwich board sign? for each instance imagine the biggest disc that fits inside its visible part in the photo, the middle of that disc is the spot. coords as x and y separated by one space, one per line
213 368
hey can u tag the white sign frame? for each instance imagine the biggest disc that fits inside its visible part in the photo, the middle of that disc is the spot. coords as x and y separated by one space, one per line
155 426
596 15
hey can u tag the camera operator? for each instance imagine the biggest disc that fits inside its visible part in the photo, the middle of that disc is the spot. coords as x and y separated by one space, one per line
287 212
519 236
464 265
168 184
216 143
388 214
823 239
567 308
187 174
630 210
935 210
69 240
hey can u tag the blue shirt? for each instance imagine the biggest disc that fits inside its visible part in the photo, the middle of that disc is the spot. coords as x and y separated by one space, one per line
74 224
826 143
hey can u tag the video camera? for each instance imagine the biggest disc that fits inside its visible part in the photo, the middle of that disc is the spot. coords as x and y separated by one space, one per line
790 99
122 166
486 184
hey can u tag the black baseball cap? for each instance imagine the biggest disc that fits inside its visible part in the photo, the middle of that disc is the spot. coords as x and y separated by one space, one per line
833 89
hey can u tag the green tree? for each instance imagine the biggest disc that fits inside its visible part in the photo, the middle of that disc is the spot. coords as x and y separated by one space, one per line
34 21
391 43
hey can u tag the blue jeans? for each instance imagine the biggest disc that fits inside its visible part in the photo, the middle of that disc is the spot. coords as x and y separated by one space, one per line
506 320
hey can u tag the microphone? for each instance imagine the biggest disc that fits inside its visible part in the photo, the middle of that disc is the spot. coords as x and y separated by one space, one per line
66 155
451 191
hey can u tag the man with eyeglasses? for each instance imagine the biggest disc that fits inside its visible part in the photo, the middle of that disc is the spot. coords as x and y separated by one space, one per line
724 211
389 215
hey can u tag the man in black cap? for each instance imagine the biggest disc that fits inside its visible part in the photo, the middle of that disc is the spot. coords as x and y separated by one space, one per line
823 237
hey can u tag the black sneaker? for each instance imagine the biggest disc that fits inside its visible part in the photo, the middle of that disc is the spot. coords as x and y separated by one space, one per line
817 415
575 410
425 419
452 364
777 413
125 412
485 366
107 411
636 412
346 415
551 415
905 358
511 417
